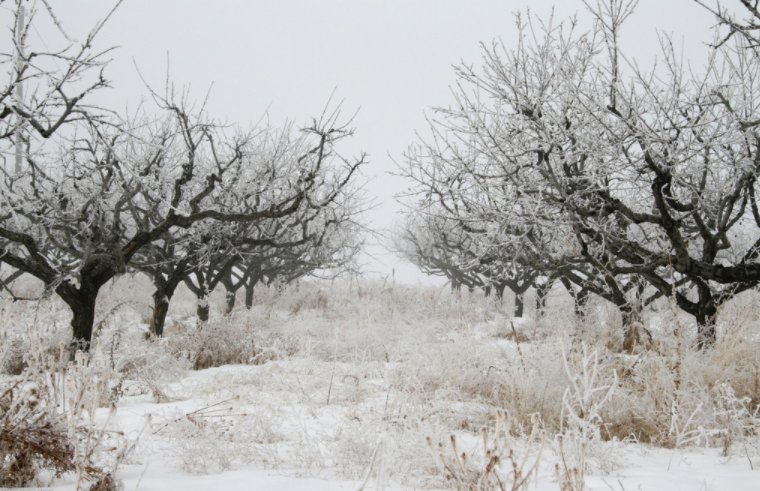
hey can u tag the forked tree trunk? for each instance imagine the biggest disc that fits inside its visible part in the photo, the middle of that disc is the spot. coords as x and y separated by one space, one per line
580 297
580 301
81 301
231 288
165 289
161 298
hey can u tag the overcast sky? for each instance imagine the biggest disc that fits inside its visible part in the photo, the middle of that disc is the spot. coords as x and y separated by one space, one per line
389 59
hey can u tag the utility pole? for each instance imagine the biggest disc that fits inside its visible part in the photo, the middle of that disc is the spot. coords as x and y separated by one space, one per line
19 93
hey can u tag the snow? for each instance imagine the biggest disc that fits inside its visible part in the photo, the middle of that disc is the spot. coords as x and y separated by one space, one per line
252 393
360 392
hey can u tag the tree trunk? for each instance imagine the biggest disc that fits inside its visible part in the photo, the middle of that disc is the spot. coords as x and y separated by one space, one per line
500 287
456 288
165 289
249 296
82 307
631 327
202 311
542 290
706 315
229 297
160 309
580 297
580 300
519 304
82 301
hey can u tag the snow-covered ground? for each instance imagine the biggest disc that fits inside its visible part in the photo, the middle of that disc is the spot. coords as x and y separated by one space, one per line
278 418
349 388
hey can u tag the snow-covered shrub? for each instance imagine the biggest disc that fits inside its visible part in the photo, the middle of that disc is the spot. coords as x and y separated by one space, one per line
222 435
586 395
242 338
31 329
589 390
675 395
33 437
503 463
48 423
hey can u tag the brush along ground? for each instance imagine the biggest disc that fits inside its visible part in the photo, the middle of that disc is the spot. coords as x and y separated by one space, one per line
337 381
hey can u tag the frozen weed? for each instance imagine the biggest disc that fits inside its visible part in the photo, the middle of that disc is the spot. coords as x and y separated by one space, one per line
48 422
503 464
219 437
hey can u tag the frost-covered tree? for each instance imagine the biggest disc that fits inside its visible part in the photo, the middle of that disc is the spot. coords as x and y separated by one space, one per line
689 144
322 238
44 91
93 192
78 217
210 253
747 27
437 246
620 181
445 246
499 161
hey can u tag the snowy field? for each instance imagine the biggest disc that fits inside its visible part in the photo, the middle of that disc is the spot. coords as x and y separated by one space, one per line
361 385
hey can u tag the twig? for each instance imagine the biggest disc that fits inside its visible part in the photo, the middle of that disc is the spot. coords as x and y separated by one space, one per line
191 413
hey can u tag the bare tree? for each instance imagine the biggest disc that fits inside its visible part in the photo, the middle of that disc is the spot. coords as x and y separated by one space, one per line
621 182
77 220
748 28
58 82
437 246
45 92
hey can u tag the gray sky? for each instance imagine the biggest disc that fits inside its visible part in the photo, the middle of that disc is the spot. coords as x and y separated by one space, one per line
390 59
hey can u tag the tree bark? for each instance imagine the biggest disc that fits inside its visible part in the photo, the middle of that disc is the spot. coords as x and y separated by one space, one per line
160 309
82 299
229 297
249 296
631 327
165 289
83 318
500 287
202 311
580 297
161 299
580 301
519 304
706 314
542 290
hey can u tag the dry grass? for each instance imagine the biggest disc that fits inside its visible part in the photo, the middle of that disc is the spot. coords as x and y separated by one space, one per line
48 424
504 463
400 364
